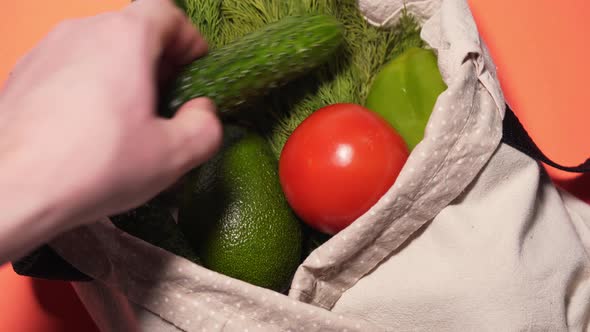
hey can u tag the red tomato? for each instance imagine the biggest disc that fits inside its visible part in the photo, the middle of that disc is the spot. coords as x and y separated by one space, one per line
338 163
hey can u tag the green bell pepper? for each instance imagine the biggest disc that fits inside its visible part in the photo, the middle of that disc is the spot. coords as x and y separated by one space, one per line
404 92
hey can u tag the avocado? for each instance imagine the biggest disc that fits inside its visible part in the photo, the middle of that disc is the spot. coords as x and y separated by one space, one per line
236 216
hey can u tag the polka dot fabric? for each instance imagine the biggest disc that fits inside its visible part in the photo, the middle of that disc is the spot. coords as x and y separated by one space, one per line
186 295
462 133
386 13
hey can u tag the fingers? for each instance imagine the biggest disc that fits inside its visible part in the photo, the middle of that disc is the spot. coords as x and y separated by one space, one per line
188 45
174 36
195 134
182 51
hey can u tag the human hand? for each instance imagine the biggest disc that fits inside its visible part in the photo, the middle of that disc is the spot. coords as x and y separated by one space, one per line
80 136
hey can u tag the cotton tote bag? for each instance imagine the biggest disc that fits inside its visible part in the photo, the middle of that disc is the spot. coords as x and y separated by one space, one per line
473 235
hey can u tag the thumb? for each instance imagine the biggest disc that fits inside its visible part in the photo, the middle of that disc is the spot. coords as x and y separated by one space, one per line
195 132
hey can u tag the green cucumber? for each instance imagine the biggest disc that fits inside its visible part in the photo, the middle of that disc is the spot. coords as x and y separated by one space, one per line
247 68
235 214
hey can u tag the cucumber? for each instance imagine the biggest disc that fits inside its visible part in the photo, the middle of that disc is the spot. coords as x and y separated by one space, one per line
247 68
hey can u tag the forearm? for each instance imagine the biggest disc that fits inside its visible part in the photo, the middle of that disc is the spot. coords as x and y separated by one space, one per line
30 211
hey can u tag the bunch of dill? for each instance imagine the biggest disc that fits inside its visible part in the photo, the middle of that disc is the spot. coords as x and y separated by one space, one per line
346 79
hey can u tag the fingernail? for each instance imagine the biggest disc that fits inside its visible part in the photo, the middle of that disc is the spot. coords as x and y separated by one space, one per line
202 103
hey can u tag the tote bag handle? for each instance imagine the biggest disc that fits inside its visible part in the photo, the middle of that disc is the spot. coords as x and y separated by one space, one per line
515 135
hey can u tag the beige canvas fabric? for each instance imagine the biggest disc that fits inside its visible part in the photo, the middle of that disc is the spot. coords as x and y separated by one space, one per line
384 13
472 236
507 255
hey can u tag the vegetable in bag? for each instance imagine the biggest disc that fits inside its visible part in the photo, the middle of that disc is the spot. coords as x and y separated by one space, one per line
405 90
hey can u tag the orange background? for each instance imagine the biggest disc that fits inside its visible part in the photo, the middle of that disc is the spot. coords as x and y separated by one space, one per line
539 47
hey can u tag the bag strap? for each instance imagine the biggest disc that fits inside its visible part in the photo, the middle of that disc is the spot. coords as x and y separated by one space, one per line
515 135
45 263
